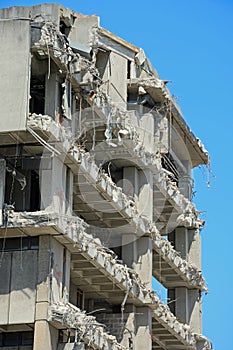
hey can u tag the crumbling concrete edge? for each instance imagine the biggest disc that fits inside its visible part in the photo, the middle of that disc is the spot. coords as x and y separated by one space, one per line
89 330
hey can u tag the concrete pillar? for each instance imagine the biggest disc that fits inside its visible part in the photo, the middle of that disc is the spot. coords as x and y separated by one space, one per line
188 307
181 241
143 339
137 254
187 303
145 197
52 96
186 182
42 334
45 336
2 186
53 187
188 243
195 310
181 304
146 131
186 186
131 182
66 274
128 339
139 185
69 191
194 247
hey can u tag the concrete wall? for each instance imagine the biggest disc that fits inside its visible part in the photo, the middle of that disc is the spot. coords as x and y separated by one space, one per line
49 12
53 188
45 336
18 292
15 82
57 270
118 77
82 30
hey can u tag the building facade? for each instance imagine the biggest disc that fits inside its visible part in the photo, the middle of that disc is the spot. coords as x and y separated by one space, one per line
95 192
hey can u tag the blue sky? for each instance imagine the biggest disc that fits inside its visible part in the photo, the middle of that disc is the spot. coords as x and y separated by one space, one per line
191 44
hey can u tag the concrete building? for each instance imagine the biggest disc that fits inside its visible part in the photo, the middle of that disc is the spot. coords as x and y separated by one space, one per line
95 192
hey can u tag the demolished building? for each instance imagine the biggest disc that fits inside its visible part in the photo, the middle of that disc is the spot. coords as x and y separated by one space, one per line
95 192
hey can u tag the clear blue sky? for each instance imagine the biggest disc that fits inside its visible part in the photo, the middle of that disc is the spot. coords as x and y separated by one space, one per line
191 43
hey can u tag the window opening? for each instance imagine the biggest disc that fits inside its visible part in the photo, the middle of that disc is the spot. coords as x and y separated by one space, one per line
37 94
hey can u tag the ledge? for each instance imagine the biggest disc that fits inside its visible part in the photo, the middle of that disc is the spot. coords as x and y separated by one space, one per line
84 163
66 315
158 90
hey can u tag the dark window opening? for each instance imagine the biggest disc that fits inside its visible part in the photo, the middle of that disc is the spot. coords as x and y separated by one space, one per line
115 171
118 252
22 188
129 69
37 93
16 339
116 309
171 238
171 300
64 29
19 243
35 192
80 296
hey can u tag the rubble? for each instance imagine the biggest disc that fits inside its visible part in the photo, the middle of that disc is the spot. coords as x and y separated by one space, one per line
115 194
89 91
89 330
74 228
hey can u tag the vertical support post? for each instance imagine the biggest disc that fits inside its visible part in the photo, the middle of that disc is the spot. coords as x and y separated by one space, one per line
128 339
143 339
137 254
188 303
45 336
145 200
186 181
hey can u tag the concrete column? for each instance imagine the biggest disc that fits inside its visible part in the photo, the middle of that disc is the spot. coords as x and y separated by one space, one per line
188 307
45 336
2 186
137 254
188 304
181 304
52 96
195 310
139 185
69 191
53 187
186 182
66 274
188 243
186 186
131 182
143 339
194 247
128 339
145 197
181 241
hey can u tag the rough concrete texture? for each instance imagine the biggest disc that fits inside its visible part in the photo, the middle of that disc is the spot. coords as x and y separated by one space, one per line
18 292
90 331
86 76
15 78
